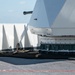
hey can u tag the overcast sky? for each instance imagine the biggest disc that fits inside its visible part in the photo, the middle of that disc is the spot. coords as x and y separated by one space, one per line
11 11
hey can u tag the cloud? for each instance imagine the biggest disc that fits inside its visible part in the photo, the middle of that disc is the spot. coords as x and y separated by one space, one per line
22 2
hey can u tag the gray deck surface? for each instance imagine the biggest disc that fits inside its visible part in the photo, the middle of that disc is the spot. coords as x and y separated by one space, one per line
19 66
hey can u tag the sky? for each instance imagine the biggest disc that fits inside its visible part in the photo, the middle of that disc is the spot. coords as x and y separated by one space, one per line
11 11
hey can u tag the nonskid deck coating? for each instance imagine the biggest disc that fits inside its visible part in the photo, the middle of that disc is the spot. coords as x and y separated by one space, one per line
19 66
